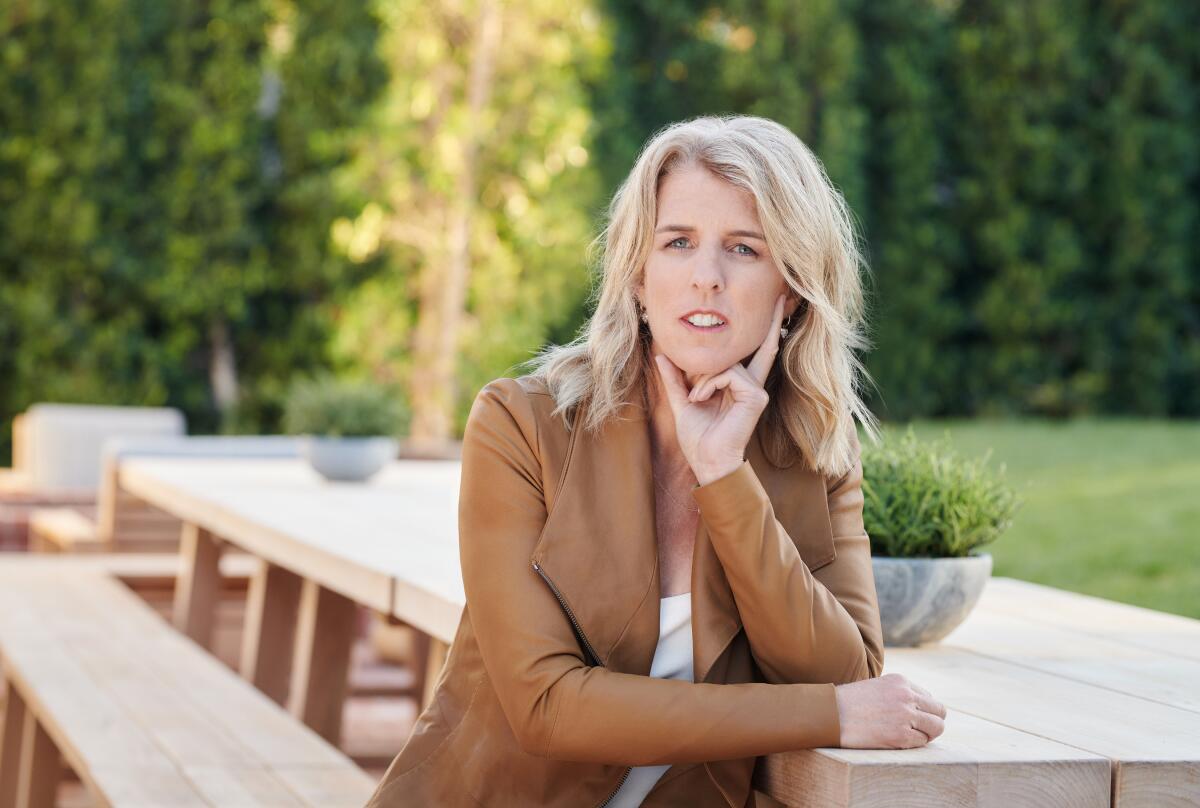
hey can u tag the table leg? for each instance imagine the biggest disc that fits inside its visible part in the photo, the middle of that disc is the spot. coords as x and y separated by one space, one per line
268 638
325 634
438 651
199 584
10 744
40 767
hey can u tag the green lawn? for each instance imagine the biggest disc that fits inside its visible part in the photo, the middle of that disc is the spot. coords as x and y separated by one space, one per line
1111 506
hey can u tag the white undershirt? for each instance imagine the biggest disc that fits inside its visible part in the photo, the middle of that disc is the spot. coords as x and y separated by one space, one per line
672 660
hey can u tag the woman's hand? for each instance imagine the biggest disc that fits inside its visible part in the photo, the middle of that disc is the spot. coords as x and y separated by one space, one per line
713 431
887 712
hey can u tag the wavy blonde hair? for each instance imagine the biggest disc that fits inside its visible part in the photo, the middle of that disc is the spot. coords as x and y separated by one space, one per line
809 229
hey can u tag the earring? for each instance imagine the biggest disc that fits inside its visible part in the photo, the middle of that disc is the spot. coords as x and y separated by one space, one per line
642 313
783 330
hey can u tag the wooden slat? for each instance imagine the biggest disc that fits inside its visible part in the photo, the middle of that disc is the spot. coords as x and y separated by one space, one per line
328 787
1154 748
354 539
973 764
1146 628
63 530
118 760
219 694
135 706
229 786
131 568
1091 658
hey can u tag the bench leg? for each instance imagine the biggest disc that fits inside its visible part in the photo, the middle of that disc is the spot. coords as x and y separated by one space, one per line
325 632
40 767
199 584
269 636
10 744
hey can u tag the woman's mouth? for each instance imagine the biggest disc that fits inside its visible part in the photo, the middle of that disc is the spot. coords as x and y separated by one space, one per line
704 323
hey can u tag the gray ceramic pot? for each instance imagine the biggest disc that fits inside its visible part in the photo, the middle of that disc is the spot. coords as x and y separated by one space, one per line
921 600
349 459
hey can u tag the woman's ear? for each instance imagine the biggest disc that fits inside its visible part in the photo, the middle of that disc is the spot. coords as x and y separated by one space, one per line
790 305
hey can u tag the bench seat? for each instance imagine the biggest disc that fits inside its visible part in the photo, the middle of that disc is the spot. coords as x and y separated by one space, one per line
143 715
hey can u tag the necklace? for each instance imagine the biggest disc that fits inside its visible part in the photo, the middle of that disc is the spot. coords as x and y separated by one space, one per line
678 504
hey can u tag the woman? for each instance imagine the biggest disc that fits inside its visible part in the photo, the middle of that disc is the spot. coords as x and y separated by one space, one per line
661 529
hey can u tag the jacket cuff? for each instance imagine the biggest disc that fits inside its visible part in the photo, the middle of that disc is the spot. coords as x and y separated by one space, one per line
817 712
726 499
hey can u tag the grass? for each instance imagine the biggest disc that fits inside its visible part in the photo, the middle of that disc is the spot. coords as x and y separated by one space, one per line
1111 506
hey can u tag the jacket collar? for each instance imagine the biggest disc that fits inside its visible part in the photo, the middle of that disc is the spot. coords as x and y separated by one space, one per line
599 544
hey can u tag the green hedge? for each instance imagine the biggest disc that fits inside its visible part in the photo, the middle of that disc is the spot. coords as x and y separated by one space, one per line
1026 174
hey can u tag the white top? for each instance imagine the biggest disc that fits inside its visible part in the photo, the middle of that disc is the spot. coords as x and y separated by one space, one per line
672 660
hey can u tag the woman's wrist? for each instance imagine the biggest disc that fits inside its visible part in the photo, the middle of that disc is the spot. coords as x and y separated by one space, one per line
709 474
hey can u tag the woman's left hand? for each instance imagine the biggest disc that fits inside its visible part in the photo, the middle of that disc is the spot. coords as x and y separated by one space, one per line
713 431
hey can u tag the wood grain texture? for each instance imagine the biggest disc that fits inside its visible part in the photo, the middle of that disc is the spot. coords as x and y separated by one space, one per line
141 712
11 732
268 639
199 584
975 762
325 632
1162 740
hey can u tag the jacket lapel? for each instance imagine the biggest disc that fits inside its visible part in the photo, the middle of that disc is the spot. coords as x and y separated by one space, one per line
599 546
599 543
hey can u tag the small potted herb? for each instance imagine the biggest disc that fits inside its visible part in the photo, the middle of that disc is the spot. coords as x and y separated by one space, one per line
928 512
351 425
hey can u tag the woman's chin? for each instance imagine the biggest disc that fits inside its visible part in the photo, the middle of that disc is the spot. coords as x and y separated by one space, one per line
706 363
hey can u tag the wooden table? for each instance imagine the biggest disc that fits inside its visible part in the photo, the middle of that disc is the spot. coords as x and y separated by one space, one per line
1054 699
327 548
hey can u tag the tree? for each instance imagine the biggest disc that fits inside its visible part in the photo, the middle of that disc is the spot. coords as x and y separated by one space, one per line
477 167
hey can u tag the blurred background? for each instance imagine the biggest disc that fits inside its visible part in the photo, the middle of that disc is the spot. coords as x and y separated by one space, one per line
205 201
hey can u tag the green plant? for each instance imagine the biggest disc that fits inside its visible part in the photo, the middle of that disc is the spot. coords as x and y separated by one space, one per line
330 407
922 501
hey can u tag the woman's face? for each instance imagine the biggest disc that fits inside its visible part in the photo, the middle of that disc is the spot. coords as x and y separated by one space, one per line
708 255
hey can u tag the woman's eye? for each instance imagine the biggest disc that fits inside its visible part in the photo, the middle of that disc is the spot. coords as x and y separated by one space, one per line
749 251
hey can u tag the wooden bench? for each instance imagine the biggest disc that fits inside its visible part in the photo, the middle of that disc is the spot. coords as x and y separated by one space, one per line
142 714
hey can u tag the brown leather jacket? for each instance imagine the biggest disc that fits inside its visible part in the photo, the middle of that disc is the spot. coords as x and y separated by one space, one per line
546 699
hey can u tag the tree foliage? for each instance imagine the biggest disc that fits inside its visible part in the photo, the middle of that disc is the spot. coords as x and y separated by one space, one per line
202 199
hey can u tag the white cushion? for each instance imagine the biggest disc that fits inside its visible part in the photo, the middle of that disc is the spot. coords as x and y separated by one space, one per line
63 442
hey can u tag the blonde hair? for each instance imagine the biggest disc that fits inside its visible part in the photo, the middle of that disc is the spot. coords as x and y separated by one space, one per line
810 233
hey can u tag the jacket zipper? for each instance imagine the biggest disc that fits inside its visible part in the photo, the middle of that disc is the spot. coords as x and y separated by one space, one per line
591 652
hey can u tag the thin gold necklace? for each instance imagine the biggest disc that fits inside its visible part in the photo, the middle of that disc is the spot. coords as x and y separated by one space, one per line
678 504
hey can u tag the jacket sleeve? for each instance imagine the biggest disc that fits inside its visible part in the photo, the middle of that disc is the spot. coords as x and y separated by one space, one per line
556 704
802 626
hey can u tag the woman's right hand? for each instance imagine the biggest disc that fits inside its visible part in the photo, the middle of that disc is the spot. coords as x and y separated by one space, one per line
887 712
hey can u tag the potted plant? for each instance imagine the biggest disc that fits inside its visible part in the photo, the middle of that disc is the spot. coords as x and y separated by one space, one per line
350 425
928 512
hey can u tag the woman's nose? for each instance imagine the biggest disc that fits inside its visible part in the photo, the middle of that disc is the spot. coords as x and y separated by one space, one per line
707 272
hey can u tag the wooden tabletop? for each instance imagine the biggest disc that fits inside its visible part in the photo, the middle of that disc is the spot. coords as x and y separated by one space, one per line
391 539
1055 699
